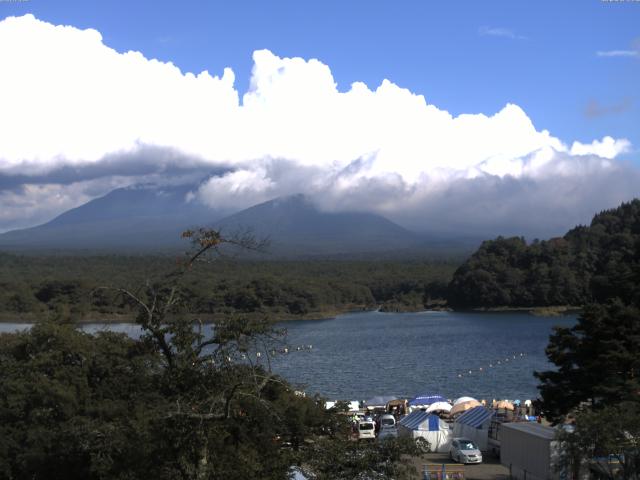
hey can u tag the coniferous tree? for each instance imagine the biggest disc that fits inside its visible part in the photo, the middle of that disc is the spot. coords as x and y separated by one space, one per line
597 360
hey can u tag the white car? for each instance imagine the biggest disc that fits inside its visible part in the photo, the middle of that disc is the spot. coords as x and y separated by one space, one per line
366 430
465 451
387 421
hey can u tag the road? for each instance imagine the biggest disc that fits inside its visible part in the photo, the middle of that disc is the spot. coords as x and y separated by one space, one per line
490 469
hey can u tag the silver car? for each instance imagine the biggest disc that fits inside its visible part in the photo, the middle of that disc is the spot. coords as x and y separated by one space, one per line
387 432
465 451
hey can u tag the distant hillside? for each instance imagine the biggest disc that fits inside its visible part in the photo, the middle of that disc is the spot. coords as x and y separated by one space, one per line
150 219
134 218
595 262
296 227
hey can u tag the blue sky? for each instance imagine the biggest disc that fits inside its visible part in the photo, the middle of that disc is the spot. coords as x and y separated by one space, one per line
529 121
541 55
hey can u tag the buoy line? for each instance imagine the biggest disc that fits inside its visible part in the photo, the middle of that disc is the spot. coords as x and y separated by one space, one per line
491 365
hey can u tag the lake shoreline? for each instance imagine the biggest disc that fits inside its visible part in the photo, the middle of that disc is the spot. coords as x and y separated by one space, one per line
115 318
278 317
550 311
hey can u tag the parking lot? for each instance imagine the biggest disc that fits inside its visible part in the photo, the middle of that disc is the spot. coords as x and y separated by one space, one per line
489 469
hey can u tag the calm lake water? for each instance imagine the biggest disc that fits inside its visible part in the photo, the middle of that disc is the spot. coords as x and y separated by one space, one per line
361 355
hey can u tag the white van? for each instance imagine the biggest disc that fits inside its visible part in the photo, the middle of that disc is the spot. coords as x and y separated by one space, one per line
366 430
387 421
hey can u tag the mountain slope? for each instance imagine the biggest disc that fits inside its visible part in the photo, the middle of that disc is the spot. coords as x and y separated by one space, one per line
151 219
133 218
296 227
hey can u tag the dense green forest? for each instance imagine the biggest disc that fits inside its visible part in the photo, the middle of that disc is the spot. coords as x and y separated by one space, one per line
176 403
33 286
590 263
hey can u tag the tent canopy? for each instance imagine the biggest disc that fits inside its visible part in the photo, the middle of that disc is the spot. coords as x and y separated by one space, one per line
475 417
463 399
504 404
420 420
439 407
426 399
464 406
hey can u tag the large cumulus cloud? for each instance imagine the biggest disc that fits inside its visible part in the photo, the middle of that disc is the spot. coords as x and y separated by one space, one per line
78 118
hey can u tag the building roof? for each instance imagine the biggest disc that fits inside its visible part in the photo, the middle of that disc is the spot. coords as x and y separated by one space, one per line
475 417
536 429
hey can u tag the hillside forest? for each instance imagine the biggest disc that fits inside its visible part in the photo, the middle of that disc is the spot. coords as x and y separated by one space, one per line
33 286
589 263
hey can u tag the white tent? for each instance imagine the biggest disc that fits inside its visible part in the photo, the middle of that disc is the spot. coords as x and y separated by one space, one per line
463 399
420 424
354 405
439 407
474 425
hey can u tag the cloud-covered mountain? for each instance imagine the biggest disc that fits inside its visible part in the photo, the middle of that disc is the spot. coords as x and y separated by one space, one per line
131 219
295 226
151 219
100 119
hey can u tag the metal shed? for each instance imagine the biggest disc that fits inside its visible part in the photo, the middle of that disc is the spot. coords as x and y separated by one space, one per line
529 451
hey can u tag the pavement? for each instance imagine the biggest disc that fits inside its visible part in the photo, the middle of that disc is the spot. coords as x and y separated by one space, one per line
489 469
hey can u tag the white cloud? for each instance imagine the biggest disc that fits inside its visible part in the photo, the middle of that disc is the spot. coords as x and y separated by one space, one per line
67 97
70 101
35 204
500 32
618 53
606 148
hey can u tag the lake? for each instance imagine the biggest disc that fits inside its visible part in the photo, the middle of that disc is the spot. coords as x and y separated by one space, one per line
360 355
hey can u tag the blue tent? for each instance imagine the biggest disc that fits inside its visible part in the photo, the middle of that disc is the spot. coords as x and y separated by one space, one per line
420 420
426 399
432 428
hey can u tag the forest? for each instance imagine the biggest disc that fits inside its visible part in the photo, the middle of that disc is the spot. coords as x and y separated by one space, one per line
590 263
33 286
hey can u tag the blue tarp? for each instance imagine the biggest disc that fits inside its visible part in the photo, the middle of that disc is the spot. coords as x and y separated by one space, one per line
426 399
475 417
415 419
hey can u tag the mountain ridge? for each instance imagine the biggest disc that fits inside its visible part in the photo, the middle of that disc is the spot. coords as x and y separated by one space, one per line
150 219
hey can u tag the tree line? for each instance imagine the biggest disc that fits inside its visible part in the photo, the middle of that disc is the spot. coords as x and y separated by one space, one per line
589 264
33 286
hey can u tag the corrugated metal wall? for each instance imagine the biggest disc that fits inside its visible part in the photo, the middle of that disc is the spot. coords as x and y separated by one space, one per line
526 454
